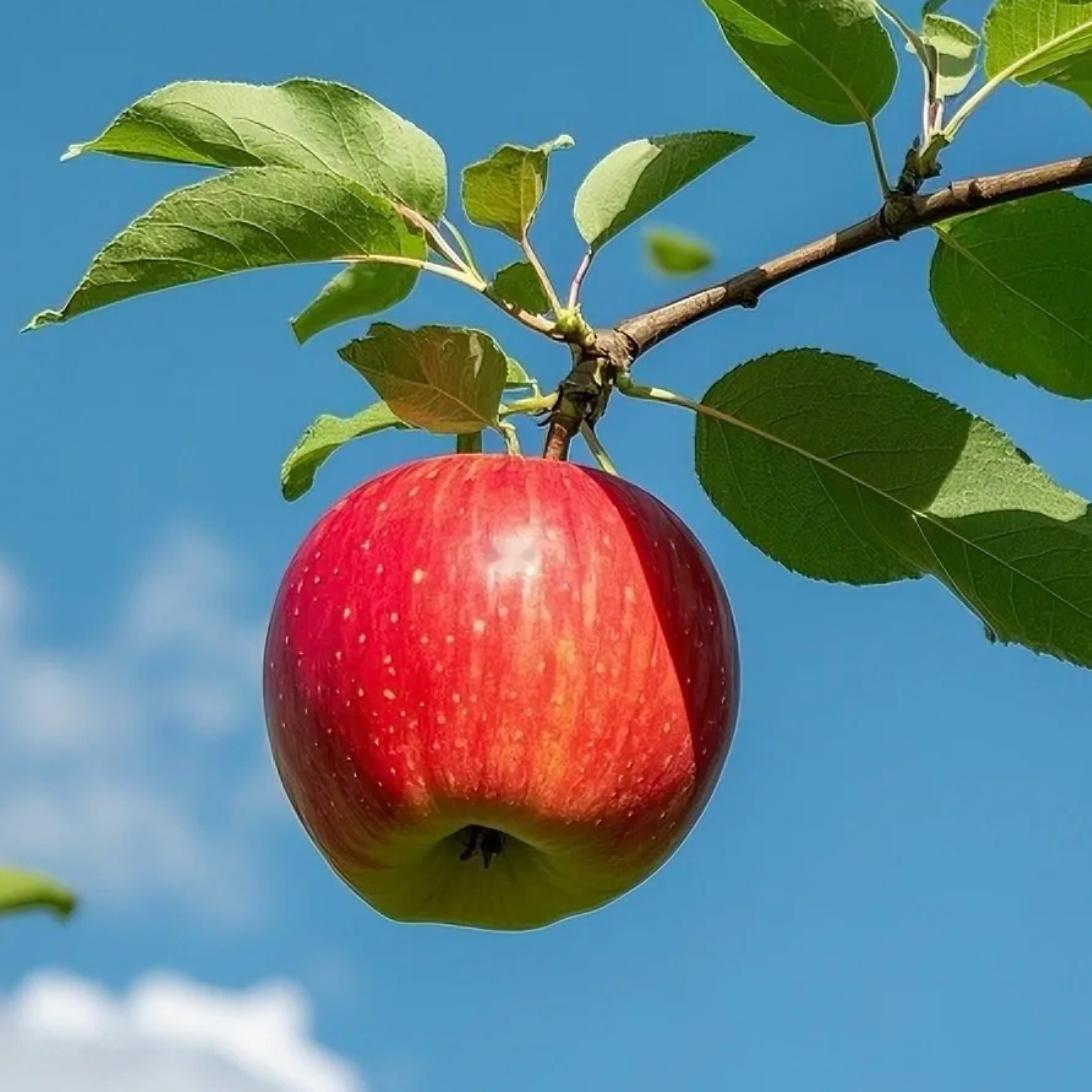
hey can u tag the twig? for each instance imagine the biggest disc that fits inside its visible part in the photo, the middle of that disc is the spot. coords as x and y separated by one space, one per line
459 275
877 159
578 279
462 244
595 446
541 274
432 232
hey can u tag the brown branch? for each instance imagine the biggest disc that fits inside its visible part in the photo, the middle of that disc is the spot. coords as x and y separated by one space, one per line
614 350
898 216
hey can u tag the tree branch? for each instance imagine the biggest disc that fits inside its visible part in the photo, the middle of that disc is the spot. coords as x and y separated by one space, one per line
896 217
582 394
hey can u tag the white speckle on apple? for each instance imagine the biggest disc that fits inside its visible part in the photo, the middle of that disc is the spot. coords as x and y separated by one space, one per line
479 626
394 617
347 613
418 575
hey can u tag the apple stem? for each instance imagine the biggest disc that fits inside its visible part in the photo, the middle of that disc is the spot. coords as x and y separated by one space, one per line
484 842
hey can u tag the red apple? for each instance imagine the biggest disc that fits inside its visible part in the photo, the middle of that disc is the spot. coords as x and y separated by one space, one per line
499 691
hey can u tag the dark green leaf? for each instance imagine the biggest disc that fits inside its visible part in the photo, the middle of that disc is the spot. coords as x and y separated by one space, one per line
439 378
677 253
248 219
1013 286
932 5
636 177
843 472
365 288
1032 41
322 438
505 190
518 283
310 124
956 49
29 891
829 58
1076 76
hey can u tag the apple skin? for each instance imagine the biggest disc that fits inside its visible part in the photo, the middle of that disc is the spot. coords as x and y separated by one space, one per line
485 643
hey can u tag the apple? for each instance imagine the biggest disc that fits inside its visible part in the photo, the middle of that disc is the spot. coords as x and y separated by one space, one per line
499 691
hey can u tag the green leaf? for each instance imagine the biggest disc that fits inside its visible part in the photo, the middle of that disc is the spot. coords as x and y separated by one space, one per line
1013 286
829 58
505 190
438 378
843 472
518 283
515 375
29 891
677 253
323 437
956 48
365 288
638 176
931 6
309 124
1076 76
248 219
1032 41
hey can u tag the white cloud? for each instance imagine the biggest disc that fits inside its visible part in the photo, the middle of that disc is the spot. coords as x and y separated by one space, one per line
134 765
166 1033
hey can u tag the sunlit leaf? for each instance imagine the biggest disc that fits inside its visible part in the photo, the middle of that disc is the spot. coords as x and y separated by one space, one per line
505 190
1032 41
518 283
440 378
303 123
955 47
829 58
638 176
323 437
364 288
247 219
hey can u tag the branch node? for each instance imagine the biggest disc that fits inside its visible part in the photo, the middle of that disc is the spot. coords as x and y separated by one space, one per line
583 394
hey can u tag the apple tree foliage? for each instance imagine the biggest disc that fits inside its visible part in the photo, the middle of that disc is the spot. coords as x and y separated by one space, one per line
830 465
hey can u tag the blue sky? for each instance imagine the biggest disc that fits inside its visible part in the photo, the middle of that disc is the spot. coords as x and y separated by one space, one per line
891 886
